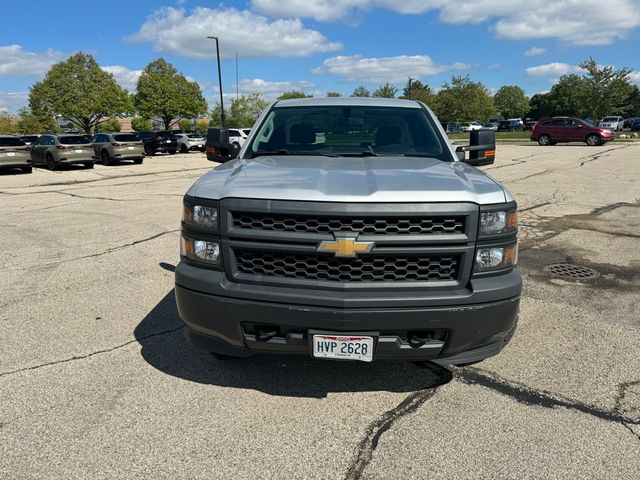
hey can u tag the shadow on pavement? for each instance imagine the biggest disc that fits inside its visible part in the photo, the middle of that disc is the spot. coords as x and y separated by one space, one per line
286 375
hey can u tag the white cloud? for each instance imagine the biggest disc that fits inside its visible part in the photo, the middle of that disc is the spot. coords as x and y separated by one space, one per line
386 69
635 77
554 68
581 22
13 101
15 61
534 51
125 77
251 36
271 90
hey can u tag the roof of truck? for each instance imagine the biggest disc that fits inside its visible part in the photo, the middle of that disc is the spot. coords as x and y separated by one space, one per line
348 102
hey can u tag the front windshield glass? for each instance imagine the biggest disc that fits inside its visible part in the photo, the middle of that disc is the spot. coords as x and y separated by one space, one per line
348 131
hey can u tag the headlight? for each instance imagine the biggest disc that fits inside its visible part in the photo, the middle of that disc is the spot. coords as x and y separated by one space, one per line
495 258
200 216
494 223
200 250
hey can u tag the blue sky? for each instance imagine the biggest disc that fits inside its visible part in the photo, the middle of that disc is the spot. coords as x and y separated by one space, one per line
320 45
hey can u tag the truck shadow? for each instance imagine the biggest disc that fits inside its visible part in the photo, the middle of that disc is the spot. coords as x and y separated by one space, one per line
164 347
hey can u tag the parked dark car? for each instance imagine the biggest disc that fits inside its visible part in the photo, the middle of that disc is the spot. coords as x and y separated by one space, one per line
628 123
158 142
64 149
509 126
635 126
451 127
14 153
550 131
529 126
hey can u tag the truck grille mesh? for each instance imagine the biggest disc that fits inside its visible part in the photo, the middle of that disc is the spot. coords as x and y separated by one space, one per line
370 268
423 225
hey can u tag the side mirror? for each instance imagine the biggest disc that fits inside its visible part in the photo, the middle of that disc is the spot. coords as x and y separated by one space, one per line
218 147
481 148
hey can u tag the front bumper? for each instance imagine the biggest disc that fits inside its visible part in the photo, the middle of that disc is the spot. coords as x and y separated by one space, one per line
460 329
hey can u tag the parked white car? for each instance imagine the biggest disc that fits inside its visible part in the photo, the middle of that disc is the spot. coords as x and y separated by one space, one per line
190 141
467 127
612 123
238 135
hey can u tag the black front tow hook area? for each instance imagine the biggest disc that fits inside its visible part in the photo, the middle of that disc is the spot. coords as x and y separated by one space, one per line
266 333
416 340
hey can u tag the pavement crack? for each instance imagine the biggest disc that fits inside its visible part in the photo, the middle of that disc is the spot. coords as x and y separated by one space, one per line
75 195
541 398
88 355
375 430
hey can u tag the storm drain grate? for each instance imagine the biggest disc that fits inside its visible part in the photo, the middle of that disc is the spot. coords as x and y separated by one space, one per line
568 270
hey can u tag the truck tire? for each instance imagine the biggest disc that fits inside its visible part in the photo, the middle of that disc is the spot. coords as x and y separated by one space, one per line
137 161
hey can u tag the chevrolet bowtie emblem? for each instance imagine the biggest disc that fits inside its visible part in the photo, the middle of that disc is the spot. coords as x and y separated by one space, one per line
345 247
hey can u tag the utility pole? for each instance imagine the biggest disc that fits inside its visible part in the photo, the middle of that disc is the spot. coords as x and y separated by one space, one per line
237 87
219 81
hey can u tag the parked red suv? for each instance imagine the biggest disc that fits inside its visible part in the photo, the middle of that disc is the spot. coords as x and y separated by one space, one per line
550 131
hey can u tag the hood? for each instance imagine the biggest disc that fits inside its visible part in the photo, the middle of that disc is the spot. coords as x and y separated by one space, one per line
349 179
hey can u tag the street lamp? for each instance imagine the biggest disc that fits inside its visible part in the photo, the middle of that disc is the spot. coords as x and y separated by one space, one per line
219 81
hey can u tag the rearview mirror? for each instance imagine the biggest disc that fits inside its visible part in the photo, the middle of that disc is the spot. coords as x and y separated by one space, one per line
218 147
481 148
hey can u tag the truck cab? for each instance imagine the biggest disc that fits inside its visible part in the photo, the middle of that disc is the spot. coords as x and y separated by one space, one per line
350 229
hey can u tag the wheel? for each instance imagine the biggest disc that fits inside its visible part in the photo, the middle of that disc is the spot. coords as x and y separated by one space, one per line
137 161
183 148
593 140
26 169
51 164
544 140
88 165
105 158
172 152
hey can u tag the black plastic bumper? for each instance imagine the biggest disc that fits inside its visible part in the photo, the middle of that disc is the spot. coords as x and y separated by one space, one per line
459 332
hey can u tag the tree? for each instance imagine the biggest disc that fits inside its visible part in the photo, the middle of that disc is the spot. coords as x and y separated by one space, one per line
334 94
416 90
385 91
140 124
243 111
361 91
606 89
109 125
293 94
511 102
186 125
29 122
8 124
464 100
80 91
633 103
202 126
165 93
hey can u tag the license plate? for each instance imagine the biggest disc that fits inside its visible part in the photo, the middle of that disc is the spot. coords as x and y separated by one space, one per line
340 347
11 154
167 141
130 148
79 150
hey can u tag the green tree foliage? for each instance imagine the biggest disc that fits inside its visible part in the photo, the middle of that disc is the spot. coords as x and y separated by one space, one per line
416 90
385 91
334 94
29 122
165 93
606 89
108 126
243 111
511 102
361 91
202 126
293 94
633 102
140 124
464 100
8 124
186 125
79 90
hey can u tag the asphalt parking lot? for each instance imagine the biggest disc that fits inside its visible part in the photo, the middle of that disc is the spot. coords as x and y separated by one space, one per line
96 380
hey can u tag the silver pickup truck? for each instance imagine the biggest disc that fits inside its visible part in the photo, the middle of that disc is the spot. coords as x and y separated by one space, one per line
350 229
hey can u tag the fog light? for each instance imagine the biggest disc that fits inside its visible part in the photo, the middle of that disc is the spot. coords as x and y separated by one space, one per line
201 250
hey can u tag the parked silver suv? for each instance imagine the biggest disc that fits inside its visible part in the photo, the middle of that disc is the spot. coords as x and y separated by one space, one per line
14 153
113 147
190 141
65 149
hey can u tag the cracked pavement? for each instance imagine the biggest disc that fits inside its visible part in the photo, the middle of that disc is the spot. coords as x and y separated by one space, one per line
96 380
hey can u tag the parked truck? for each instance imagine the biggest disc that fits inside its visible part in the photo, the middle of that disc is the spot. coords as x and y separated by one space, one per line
350 229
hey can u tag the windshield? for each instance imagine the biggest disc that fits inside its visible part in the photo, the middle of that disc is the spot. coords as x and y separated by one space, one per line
11 142
348 131
79 140
610 119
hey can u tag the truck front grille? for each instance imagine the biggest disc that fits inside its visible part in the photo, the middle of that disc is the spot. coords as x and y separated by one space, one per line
369 268
378 225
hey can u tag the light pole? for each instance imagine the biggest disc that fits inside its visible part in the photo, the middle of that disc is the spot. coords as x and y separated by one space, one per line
219 81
